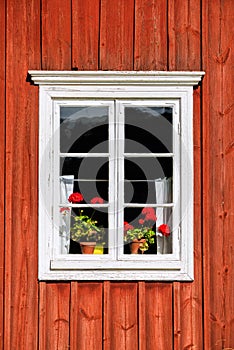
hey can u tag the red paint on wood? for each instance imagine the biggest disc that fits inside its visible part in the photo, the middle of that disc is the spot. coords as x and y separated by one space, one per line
54 316
218 175
150 41
184 35
155 316
116 35
86 316
184 54
23 53
85 34
188 331
130 313
2 162
120 316
56 34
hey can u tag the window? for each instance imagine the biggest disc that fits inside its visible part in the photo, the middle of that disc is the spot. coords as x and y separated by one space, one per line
116 169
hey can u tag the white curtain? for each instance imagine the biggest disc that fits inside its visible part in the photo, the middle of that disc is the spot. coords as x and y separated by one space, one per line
66 189
163 190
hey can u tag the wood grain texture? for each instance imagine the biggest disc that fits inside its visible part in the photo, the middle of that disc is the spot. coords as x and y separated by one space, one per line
184 54
2 161
155 316
184 35
150 41
56 34
218 174
188 323
86 316
54 316
116 35
112 35
120 316
23 53
85 34
227 10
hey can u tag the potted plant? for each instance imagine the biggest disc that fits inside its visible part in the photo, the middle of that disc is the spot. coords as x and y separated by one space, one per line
141 237
85 229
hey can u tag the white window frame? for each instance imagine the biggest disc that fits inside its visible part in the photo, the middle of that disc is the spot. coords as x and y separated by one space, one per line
64 88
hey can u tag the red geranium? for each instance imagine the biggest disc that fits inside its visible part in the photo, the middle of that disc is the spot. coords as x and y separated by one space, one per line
149 214
150 217
164 229
97 200
148 210
141 221
75 197
127 226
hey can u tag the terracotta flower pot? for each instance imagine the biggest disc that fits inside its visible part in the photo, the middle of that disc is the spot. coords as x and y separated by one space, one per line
136 244
87 247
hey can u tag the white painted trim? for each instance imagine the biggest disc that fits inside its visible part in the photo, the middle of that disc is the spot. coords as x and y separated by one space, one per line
117 275
115 77
165 88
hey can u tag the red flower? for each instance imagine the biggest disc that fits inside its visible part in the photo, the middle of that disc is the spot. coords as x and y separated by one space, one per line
149 214
127 226
148 211
164 229
150 217
141 221
75 197
97 200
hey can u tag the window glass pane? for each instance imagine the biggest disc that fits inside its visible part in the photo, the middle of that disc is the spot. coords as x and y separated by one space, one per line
88 176
140 224
84 129
84 228
150 228
148 129
152 191
164 230
148 180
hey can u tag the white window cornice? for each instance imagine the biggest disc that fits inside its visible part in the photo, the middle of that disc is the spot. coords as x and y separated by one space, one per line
115 78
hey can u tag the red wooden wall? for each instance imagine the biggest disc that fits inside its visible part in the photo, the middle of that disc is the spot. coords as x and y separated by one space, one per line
117 35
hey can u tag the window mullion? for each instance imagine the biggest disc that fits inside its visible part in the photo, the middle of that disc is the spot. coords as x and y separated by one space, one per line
120 175
112 177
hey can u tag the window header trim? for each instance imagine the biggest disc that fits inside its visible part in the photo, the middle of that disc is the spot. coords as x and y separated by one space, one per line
149 78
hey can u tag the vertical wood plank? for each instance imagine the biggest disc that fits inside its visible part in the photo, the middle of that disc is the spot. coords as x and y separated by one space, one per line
116 35
42 316
227 10
218 174
2 159
85 34
184 35
150 40
142 316
56 34
54 316
184 54
158 316
86 316
23 53
188 324
120 316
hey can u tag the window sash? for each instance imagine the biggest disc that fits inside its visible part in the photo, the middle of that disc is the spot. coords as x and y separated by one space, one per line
120 113
56 174
116 172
